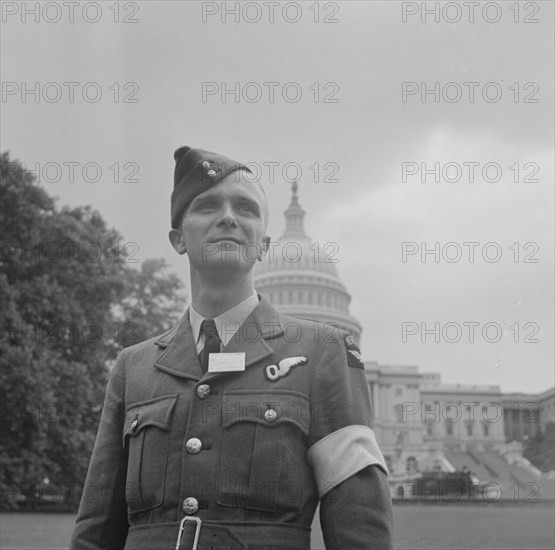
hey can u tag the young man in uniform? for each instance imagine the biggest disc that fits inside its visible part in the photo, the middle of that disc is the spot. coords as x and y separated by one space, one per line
225 432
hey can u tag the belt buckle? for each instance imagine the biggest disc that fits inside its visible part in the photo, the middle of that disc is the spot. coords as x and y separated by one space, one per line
182 527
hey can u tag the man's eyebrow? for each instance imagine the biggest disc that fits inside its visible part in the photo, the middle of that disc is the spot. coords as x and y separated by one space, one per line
204 196
257 206
243 198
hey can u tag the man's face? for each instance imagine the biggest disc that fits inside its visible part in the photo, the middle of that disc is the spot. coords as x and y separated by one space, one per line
224 226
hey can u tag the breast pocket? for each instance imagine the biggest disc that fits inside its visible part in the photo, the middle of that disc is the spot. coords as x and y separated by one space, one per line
262 463
145 436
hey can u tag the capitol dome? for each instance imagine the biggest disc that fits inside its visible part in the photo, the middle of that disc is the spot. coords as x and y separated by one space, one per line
300 277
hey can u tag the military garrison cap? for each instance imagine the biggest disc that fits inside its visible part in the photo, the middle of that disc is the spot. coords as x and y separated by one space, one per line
197 170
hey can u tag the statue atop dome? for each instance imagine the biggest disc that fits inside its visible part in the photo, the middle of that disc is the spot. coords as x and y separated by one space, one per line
294 218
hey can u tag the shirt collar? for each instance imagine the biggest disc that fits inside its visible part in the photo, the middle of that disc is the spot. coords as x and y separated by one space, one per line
228 322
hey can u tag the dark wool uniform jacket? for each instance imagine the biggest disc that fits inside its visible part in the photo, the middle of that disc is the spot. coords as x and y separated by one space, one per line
244 456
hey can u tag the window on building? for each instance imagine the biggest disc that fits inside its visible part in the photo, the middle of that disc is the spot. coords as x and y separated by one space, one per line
398 413
469 429
486 428
449 428
398 391
429 428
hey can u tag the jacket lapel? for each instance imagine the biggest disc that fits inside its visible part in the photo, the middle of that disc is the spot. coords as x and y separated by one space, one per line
180 354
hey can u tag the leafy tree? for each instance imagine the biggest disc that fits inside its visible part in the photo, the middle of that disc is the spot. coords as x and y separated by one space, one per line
153 303
61 278
540 449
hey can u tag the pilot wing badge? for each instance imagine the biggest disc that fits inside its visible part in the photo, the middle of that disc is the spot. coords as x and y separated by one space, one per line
275 372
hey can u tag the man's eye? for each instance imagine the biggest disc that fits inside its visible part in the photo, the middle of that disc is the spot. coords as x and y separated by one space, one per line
246 207
207 206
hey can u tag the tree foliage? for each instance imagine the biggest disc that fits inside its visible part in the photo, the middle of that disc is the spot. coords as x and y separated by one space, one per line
153 302
540 449
62 277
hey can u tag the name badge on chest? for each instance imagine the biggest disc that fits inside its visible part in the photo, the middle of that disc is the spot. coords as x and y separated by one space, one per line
226 362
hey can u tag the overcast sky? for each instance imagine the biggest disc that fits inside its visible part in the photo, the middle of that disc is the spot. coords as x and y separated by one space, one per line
337 101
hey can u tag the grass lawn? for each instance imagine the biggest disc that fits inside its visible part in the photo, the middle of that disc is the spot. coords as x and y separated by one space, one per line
441 527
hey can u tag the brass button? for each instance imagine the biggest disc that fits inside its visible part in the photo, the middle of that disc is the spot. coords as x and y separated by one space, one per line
190 505
206 164
203 391
134 425
270 415
211 173
193 446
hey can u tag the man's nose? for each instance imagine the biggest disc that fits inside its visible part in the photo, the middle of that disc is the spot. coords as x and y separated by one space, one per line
227 218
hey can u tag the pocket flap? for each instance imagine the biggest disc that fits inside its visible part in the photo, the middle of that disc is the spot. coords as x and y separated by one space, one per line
269 408
154 412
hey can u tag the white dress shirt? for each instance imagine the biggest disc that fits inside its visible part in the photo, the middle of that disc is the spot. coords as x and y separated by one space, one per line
227 323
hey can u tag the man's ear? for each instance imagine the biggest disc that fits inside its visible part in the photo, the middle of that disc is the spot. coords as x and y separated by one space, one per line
178 243
264 248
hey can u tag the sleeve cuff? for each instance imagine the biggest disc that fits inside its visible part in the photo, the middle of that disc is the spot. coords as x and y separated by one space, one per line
342 454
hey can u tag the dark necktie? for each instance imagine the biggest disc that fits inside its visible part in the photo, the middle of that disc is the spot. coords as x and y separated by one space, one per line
211 342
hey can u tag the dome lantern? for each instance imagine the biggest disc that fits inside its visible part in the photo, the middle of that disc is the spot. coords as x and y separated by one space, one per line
294 217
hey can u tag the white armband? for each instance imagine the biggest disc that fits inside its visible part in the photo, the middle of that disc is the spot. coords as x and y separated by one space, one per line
342 454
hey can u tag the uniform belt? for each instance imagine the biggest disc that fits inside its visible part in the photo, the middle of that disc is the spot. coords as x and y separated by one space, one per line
220 536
